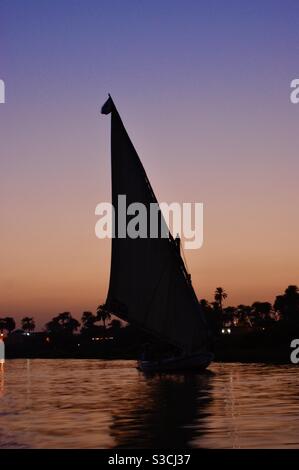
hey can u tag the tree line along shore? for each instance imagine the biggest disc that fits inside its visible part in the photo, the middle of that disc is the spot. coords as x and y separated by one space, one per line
261 332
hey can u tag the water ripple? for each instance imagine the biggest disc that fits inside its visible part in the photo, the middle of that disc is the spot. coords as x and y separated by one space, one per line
108 404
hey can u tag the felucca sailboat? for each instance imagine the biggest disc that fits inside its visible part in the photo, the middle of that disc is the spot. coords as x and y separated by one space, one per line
149 284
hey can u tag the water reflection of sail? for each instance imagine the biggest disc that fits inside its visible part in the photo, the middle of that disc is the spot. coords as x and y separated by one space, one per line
166 413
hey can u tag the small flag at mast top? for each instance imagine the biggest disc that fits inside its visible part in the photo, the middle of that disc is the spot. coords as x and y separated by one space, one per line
107 106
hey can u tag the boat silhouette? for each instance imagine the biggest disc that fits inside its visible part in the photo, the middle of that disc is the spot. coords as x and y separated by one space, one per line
149 284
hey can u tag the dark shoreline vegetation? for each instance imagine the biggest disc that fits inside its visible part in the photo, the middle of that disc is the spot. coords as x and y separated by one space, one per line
261 332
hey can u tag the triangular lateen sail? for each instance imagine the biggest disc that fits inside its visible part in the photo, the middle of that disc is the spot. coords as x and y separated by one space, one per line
149 285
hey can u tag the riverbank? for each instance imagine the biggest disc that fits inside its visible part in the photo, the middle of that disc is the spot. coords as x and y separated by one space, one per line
259 346
245 355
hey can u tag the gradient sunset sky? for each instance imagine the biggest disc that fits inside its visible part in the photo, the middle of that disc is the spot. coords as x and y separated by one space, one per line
203 88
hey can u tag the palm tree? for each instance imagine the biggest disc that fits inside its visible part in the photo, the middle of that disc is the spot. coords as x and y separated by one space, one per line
288 303
67 322
292 291
10 324
63 323
28 324
103 314
89 328
262 309
72 325
88 320
219 296
53 326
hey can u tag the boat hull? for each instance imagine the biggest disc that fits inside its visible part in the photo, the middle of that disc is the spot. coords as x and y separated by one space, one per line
195 362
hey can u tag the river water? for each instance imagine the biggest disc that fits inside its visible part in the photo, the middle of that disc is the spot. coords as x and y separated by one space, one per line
109 404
